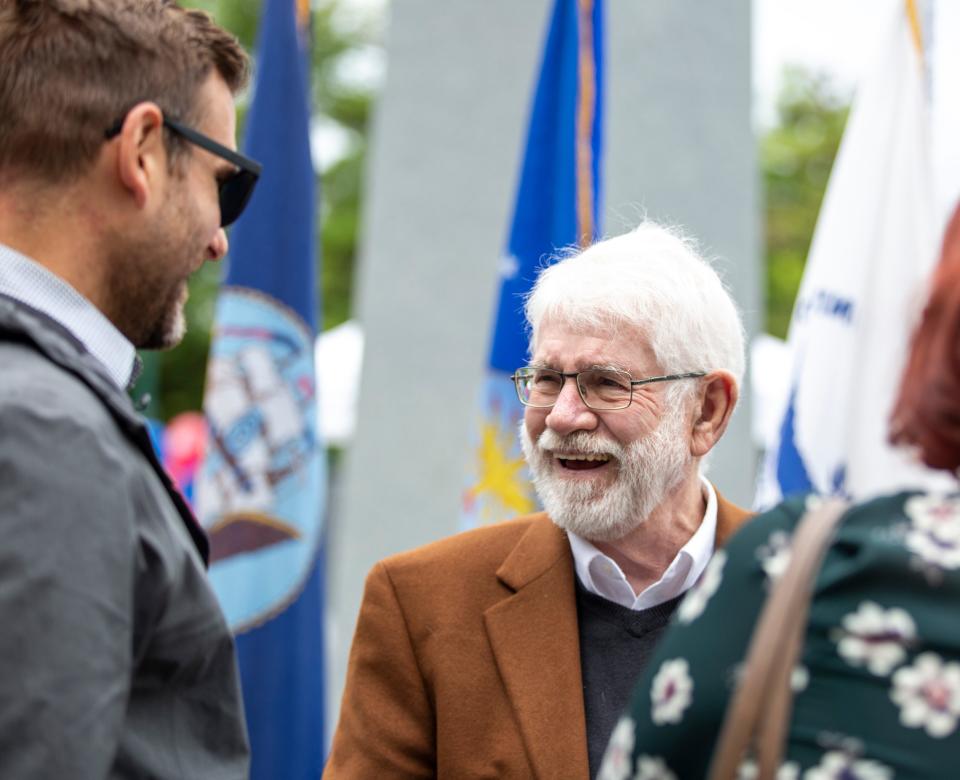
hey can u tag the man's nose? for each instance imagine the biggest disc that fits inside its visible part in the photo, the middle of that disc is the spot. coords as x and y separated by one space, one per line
217 248
569 413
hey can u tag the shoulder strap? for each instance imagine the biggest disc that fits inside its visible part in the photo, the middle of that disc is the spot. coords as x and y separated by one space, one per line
758 715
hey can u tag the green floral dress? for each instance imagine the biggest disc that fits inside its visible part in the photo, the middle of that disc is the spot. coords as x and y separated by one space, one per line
878 686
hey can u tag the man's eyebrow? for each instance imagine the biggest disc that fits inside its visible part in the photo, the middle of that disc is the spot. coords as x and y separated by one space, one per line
581 366
604 367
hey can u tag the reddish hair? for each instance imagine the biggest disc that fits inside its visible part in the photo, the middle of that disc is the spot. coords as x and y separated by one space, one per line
927 412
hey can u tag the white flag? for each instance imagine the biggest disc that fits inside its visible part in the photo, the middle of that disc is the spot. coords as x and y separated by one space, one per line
875 244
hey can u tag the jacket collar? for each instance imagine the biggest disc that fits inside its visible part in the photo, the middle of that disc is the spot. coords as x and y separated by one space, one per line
534 637
24 324
536 643
31 283
729 518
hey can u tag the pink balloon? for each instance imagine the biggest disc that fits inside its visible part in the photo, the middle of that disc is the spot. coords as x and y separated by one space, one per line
184 445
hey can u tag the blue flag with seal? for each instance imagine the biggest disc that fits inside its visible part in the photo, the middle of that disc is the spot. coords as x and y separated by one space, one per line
261 490
557 206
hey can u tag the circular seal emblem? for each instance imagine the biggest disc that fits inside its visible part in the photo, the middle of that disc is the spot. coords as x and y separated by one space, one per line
260 494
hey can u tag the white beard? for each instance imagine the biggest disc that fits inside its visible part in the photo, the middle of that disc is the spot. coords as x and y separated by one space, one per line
649 469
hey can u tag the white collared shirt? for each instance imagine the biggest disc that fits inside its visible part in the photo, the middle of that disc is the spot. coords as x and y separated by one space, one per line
601 575
32 284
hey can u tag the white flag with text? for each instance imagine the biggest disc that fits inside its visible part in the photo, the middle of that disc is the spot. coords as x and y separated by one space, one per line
876 242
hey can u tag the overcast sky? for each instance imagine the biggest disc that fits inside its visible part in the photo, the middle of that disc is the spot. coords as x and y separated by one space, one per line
843 38
837 37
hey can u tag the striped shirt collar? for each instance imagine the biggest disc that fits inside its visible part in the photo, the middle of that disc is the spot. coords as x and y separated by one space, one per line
601 575
30 283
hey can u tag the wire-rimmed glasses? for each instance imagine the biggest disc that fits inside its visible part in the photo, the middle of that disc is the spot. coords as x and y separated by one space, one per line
602 389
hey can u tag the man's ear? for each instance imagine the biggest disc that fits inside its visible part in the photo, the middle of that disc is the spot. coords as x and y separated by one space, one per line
141 153
716 399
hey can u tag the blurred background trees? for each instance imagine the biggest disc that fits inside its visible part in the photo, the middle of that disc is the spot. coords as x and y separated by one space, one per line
796 155
796 152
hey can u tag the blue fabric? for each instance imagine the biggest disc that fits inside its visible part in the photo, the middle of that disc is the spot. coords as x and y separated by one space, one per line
274 594
791 470
545 213
274 241
545 221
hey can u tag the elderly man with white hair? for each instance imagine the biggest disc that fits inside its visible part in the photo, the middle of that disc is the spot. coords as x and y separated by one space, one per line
509 651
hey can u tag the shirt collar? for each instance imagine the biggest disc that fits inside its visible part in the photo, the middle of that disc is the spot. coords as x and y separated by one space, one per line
32 284
601 575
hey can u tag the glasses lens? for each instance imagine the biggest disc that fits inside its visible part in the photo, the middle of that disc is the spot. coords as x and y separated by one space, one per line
605 389
235 192
538 386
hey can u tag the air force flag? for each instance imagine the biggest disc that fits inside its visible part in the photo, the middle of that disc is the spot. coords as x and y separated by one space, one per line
557 206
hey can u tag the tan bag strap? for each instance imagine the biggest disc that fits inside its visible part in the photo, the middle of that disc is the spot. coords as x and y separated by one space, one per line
759 712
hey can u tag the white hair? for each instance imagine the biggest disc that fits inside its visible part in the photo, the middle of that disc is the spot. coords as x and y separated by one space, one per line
654 280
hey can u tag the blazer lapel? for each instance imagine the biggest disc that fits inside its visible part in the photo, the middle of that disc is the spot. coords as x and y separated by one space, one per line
535 641
729 518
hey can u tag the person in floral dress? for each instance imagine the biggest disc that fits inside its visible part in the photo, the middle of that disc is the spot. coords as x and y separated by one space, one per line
877 688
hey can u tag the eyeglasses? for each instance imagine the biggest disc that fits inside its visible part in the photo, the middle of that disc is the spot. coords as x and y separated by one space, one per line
235 188
602 389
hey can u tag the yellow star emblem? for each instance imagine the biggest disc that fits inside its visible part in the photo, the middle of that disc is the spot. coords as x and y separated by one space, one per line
502 489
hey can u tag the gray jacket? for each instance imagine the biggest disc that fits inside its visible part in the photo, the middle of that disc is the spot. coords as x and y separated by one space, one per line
115 659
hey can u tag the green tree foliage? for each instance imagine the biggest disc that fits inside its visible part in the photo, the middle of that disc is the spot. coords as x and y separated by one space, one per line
796 156
176 378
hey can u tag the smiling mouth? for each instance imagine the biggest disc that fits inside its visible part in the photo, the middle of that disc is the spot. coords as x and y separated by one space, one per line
583 462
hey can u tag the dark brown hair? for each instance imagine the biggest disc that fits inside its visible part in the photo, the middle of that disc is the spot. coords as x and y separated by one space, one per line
927 412
69 69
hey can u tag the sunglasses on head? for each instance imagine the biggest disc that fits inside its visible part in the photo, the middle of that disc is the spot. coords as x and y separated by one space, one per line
236 188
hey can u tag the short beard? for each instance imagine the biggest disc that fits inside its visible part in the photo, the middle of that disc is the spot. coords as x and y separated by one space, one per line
146 301
149 316
649 470
169 326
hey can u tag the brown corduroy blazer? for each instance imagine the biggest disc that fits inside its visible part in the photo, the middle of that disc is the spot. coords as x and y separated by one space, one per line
466 660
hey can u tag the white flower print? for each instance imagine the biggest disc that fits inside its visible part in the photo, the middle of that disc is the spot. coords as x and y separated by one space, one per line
671 691
933 550
933 511
696 601
653 768
749 770
928 694
875 637
799 678
839 765
774 556
617 759
788 771
934 534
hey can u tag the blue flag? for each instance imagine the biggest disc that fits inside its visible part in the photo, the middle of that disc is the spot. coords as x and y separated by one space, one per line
261 491
557 207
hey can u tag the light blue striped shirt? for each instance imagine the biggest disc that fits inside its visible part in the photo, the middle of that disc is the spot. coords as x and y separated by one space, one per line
32 284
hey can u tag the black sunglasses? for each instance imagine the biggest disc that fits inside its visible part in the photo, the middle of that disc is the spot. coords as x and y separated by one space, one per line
236 188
